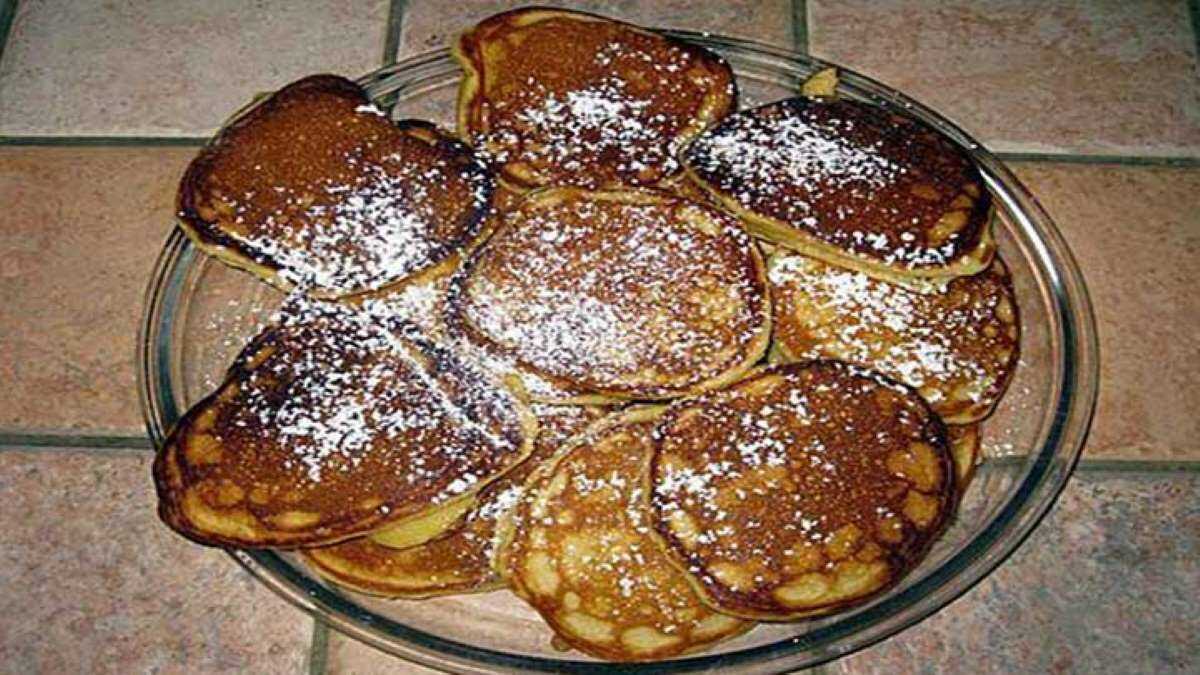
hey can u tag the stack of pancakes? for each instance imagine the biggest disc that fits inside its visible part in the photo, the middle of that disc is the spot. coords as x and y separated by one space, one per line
661 367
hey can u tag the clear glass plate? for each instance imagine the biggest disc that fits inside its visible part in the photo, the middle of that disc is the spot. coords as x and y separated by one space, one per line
199 313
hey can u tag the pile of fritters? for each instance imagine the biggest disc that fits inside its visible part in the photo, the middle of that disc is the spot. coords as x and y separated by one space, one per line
548 351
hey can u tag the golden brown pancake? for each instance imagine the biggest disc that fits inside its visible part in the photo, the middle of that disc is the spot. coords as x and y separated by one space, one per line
316 188
565 98
461 560
958 347
966 450
852 184
329 426
421 302
578 549
800 490
628 294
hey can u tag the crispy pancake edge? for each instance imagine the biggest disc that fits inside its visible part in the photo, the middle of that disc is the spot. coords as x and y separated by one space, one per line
212 241
339 570
172 485
923 281
346 577
603 396
662 539
507 530
506 526
466 51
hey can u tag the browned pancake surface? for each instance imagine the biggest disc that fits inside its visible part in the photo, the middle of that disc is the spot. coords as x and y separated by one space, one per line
316 187
566 98
421 303
856 178
330 426
958 346
581 554
461 560
800 490
630 293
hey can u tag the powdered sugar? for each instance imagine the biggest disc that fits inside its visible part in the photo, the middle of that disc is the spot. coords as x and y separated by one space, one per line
382 227
602 292
340 387
951 341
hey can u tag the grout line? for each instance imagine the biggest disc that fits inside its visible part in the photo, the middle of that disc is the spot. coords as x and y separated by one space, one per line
1127 160
318 650
391 39
8 12
73 441
1139 465
800 26
1194 15
103 141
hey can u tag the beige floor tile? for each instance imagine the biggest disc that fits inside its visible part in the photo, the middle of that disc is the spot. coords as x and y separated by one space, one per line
1136 234
1097 77
79 233
348 656
171 68
428 25
94 583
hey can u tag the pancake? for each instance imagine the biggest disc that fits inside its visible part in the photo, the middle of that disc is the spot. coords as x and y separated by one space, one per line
557 97
460 561
578 550
852 184
421 302
801 490
958 347
314 187
690 190
330 426
555 425
520 378
966 451
626 294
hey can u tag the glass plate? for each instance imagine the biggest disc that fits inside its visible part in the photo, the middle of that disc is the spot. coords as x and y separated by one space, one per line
199 313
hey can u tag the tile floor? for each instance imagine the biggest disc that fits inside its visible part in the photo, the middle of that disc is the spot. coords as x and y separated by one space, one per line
101 104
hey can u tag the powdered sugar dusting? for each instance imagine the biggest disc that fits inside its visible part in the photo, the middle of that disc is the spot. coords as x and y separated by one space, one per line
606 293
341 389
381 227
609 121
844 172
949 345
780 462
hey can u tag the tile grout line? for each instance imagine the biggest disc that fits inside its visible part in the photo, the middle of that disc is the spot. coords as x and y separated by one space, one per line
104 141
8 12
53 441
1139 465
800 26
8 15
1120 160
1194 15
318 649
391 39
